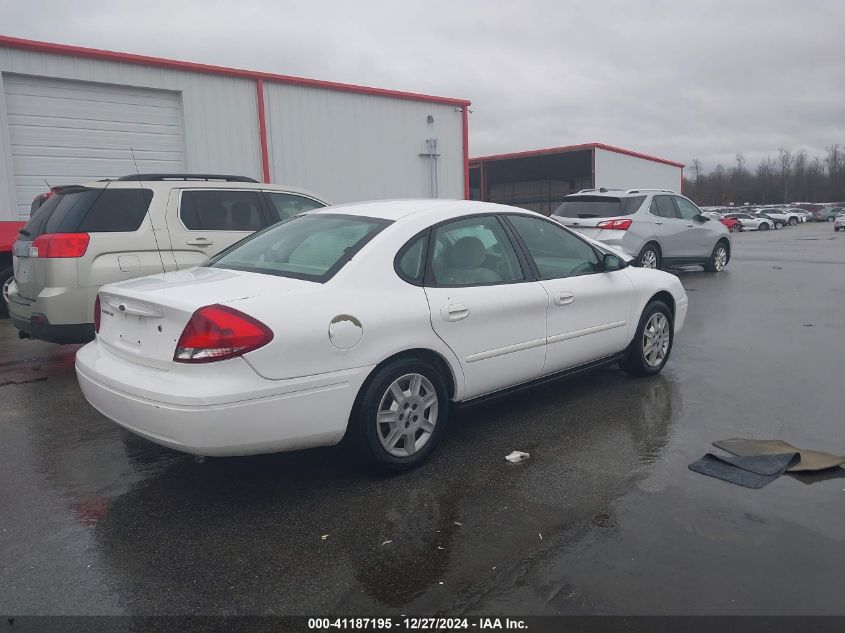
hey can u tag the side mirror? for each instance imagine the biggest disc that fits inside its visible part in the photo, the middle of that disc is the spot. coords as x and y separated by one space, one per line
611 262
702 218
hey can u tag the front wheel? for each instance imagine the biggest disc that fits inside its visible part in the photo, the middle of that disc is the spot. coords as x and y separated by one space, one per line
763 227
6 277
793 221
649 351
830 219
778 225
718 259
401 415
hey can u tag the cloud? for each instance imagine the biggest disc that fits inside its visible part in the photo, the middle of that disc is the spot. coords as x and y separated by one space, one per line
664 77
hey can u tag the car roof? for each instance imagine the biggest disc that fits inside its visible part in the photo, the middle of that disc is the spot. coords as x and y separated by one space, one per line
621 193
166 185
433 210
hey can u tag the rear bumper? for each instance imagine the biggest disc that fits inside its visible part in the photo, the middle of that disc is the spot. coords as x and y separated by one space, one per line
41 318
221 408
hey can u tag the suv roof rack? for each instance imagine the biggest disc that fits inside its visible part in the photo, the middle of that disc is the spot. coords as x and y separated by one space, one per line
226 177
600 190
647 189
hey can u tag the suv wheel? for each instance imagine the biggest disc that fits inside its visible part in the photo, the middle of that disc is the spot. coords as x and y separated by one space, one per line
648 352
649 257
6 276
763 227
830 218
719 258
778 225
401 415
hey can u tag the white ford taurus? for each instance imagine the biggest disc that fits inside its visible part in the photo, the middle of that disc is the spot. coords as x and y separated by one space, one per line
368 321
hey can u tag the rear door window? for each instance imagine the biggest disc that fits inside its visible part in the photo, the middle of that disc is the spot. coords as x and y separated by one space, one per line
287 205
221 210
598 206
665 207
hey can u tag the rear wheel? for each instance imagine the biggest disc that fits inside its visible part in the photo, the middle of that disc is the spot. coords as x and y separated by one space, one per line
649 351
734 228
793 221
778 225
649 257
6 276
401 415
830 218
719 258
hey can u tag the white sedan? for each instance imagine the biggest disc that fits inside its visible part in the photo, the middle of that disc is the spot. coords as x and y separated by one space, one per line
368 321
752 222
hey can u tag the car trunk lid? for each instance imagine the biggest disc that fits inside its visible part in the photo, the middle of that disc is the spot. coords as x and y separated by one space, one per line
142 319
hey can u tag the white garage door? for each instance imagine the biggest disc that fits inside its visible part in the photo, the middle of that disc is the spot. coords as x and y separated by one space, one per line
67 132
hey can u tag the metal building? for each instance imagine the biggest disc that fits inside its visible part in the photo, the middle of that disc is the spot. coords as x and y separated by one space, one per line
539 179
70 114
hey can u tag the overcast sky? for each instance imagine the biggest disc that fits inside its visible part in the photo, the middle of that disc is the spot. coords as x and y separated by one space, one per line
664 77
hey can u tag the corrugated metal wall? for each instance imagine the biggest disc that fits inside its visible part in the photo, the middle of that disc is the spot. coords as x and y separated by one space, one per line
348 147
620 171
344 146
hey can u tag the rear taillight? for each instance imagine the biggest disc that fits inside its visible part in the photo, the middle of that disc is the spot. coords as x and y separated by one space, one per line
617 225
52 245
217 332
97 314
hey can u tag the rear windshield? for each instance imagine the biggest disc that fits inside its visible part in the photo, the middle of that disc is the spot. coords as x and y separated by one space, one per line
598 206
90 211
310 247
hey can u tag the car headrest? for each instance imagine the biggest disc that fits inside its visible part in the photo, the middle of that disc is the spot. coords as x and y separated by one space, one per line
467 253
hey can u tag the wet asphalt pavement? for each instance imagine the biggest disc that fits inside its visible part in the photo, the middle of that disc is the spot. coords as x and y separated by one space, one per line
604 517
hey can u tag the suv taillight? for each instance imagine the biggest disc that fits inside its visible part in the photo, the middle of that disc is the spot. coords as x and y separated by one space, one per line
97 314
617 225
50 245
217 332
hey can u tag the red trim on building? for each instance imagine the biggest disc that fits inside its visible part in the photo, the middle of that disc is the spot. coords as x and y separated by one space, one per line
465 118
94 53
575 148
262 131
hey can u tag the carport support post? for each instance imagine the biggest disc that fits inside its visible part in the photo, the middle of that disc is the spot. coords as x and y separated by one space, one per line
262 131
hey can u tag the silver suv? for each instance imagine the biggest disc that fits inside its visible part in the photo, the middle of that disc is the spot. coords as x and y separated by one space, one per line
84 236
656 227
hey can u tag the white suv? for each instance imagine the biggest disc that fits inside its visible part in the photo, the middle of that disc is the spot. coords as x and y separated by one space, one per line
88 235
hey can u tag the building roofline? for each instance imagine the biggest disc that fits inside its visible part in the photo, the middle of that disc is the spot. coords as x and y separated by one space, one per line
572 148
160 62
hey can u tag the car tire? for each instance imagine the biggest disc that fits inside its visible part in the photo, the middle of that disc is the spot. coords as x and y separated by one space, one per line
372 434
763 227
793 221
778 225
5 276
649 257
719 258
735 228
830 218
640 360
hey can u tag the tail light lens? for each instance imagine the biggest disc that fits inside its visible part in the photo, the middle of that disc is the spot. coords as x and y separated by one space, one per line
617 225
52 245
217 332
97 314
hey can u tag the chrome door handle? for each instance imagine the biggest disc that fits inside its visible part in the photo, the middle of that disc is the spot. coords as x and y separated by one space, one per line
690 224
564 298
656 222
200 241
454 312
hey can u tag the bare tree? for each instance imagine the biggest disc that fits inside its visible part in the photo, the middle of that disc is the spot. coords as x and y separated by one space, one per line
785 160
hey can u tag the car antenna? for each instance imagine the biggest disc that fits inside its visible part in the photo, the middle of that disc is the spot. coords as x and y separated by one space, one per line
147 212
47 183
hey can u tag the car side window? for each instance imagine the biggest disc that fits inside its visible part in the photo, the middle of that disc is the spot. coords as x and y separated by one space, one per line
410 261
287 205
555 251
221 210
687 209
665 207
473 251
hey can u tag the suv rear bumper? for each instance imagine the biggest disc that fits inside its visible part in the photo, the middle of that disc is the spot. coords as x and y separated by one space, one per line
27 316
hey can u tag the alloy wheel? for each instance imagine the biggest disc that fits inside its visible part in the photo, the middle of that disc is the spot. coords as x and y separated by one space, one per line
720 258
649 259
656 338
407 415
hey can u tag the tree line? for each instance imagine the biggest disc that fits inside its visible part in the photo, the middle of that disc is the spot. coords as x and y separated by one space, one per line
790 176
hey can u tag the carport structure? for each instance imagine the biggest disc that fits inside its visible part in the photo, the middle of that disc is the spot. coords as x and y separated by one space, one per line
539 179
